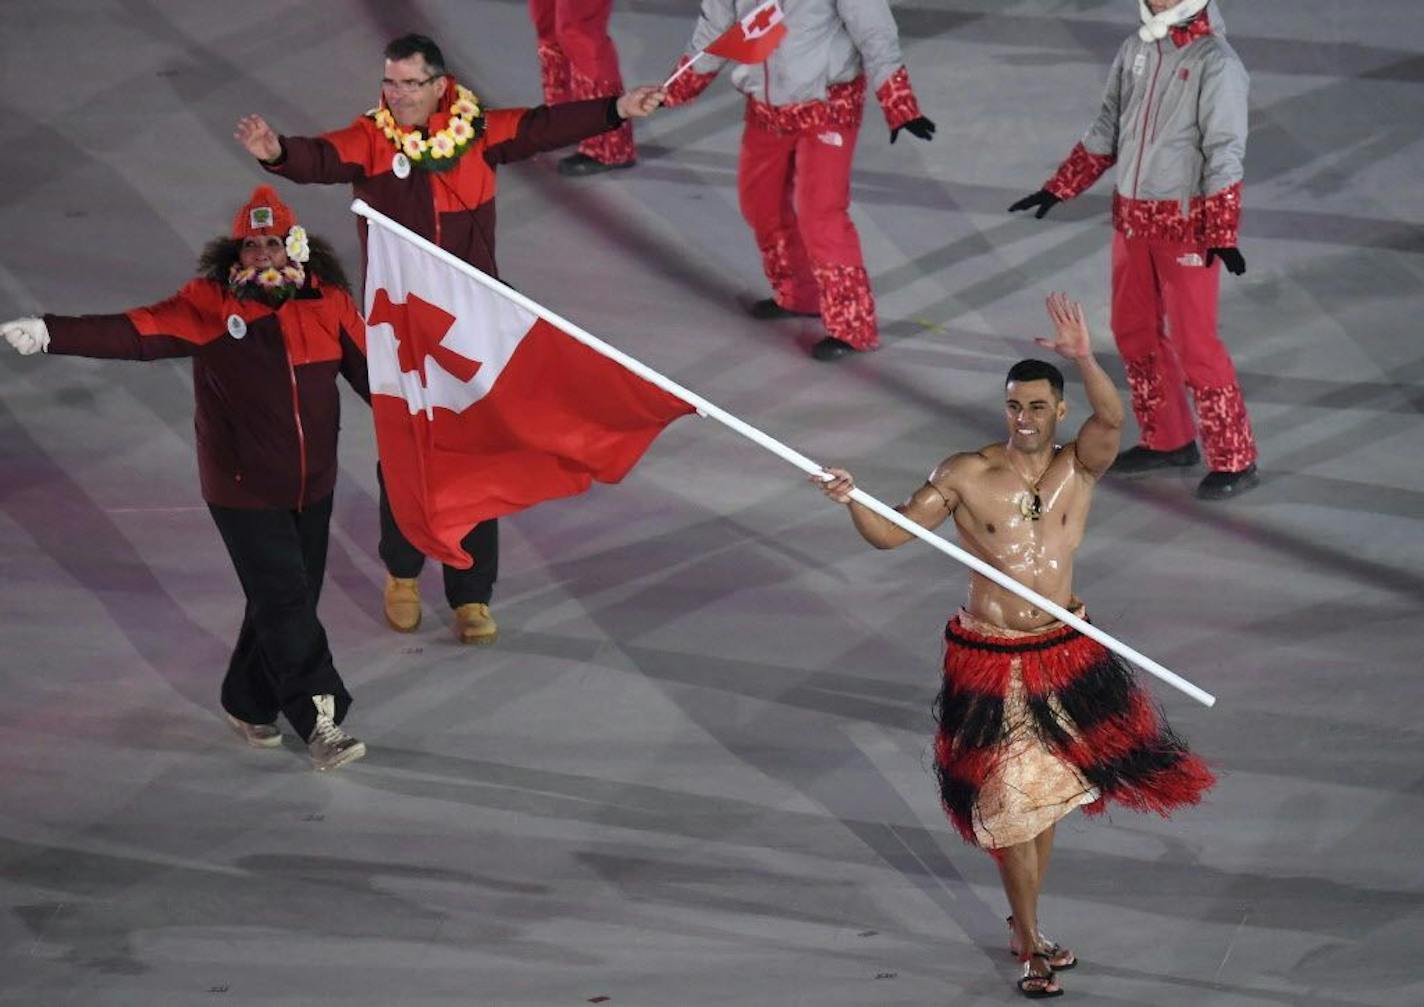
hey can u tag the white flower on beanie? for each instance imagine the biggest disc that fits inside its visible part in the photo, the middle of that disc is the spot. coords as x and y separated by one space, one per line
298 249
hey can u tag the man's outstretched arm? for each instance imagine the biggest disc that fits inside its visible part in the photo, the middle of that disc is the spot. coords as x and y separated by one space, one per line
520 133
927 507
332 158
1101 432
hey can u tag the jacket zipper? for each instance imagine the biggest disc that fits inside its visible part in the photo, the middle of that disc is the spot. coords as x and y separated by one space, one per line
1146 111
301 433
435 209
1157 112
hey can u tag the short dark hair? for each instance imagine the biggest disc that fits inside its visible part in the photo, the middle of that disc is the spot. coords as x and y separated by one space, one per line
1037 370
417 45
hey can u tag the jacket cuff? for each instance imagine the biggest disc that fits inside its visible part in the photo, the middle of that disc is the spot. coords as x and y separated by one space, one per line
1221 217
688 86
277 161
897 99
1078 172
58 329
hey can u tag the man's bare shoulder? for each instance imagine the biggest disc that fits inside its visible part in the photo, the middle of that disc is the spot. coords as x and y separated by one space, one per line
965 465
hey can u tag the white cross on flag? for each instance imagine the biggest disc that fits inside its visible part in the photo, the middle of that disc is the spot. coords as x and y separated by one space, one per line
752 39
482 407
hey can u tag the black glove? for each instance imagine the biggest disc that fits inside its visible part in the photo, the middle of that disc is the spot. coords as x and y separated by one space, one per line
921 127
1043 199
1231 258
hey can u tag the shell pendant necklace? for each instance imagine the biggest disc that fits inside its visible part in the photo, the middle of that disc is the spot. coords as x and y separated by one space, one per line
1031 502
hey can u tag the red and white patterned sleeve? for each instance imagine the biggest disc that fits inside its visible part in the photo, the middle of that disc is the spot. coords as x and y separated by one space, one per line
897 99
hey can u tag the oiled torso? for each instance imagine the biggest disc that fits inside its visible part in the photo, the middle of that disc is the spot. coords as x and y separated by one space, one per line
999 521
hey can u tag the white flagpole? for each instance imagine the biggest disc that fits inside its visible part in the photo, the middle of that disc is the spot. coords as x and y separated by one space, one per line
684 68
706 408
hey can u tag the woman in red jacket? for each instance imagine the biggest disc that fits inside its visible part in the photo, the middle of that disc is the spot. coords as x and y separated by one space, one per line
269 323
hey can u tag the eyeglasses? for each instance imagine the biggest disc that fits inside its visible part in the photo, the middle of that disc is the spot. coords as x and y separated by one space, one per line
407 86
270 243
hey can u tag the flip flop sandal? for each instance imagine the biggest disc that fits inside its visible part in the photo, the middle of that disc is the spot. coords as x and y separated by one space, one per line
1051 950
1029 983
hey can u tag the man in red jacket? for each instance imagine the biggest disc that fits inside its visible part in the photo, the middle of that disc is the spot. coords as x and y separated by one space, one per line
426 157
269 324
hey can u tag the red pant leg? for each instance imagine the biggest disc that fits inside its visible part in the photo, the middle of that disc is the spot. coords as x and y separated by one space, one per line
822 199
1154 375
553 64
765 177
582 27
1190 294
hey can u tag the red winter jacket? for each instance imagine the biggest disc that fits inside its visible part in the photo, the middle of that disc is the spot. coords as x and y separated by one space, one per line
267 408
453 208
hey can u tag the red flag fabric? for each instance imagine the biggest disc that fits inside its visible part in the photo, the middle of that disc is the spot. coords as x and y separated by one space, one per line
752 39
481 407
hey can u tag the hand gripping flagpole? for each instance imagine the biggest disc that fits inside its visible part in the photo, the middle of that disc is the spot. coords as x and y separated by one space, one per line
706 408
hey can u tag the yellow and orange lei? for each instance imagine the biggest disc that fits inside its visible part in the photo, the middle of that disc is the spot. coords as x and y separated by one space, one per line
441 150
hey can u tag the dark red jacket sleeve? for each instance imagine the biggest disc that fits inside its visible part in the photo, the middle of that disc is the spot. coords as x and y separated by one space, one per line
335 157
512 134
177 327
111 337
352 333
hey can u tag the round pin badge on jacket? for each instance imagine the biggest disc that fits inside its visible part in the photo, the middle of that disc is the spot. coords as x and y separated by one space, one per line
400 166
236 327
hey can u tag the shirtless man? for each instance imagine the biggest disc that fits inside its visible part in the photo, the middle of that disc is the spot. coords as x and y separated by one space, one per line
1035 719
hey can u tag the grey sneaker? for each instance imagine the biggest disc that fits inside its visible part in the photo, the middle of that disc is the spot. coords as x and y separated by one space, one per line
256 735
329 745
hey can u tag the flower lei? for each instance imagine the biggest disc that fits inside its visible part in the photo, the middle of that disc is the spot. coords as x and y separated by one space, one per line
273 286
440 151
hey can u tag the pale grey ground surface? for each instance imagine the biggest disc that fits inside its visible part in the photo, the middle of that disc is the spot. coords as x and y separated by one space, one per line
694 770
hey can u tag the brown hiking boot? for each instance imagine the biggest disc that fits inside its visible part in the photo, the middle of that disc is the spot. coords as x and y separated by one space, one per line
474 624
402 603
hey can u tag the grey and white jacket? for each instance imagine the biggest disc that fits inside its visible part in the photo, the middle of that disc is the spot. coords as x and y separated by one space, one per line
1174 121
819 69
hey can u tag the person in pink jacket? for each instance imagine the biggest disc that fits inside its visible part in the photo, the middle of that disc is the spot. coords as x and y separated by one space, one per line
1173 120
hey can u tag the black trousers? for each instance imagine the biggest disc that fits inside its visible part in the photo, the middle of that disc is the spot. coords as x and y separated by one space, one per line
281 659
461 586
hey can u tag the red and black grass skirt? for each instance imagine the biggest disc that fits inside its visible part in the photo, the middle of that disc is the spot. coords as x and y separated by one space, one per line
1052 695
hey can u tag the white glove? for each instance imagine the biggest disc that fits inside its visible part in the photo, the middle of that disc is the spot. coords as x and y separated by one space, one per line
26 335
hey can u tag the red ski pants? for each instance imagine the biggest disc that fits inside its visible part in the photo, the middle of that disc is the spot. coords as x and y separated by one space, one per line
795 193
577 60
1164 302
